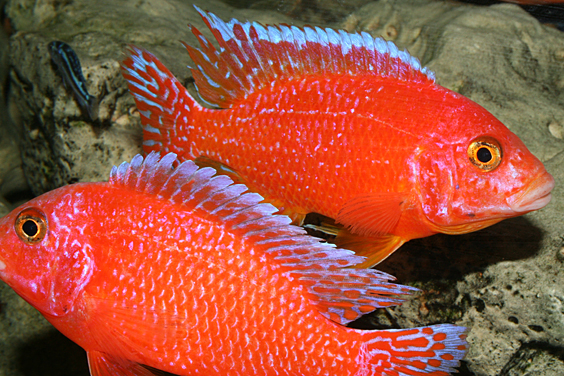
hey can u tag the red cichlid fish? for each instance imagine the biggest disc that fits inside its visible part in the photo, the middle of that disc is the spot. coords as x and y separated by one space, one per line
179 270
345 125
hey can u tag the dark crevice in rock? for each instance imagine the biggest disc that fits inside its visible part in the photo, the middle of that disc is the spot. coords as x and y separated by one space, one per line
524 360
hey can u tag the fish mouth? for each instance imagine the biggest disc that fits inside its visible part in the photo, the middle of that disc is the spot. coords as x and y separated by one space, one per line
534 197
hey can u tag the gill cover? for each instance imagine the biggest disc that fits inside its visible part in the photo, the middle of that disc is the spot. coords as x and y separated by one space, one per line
62 271
436 184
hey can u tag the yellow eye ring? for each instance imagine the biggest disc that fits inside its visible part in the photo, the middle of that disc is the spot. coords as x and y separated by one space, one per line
485 153
31 226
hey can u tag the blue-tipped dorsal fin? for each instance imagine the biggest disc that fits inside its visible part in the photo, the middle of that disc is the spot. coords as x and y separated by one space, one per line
340 294
253 56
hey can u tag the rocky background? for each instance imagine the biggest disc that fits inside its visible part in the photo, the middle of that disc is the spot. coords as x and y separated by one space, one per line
506 283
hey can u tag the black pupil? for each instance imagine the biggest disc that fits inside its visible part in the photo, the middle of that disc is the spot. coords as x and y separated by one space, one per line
30 228
484 155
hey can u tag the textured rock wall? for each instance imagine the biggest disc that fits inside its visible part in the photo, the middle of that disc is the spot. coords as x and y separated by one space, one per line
506 283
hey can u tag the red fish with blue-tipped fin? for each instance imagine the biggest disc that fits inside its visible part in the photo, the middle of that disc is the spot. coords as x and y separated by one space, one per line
341 124
180 270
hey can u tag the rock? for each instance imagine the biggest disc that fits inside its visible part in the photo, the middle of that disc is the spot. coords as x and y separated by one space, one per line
531 361
60 145
12 179
311 11
506 282
4 207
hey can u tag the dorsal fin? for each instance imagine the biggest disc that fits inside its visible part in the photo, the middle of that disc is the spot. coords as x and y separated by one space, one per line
253 56
340 294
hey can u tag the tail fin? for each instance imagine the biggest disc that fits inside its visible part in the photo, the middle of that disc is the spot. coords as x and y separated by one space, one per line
432 350
165 105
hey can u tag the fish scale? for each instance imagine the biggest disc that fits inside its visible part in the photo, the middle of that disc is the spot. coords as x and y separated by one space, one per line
208 282
285 147
341 124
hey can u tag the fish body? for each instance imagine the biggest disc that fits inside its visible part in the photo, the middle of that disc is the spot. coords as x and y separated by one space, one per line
68 66
182 271
340 124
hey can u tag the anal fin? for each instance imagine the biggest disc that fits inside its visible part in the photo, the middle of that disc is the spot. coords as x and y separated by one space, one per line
296 214
105 365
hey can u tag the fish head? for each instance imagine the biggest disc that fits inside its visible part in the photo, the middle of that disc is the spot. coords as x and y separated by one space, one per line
480 174
43 256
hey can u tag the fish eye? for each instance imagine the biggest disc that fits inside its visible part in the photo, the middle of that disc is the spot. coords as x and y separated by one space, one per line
31 226
485 153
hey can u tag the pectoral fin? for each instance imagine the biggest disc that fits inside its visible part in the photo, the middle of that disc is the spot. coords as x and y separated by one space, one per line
132 332
369 222
373 214
105 365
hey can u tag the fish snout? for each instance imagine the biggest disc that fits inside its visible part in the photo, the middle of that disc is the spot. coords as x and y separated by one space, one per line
536 196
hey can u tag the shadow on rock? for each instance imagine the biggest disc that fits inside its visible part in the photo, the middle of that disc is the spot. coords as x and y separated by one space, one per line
534 357
452 256
52 354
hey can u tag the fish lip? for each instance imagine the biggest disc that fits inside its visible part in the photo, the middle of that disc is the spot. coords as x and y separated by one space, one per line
534 197
2 265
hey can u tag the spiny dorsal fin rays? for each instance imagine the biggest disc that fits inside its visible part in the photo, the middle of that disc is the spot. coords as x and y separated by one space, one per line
253 56
199 188
339 294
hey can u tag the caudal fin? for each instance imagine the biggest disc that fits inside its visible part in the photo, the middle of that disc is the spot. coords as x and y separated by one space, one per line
432 350
165 105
